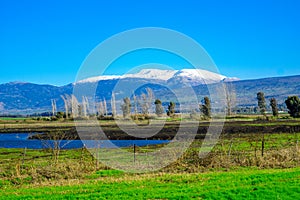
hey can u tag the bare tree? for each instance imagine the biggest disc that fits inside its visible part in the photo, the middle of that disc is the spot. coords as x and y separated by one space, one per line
105 107
85 105
54 109
113 105
126 107
230 94
69 100
150 98
55 141
101 111
74 106
146 101
66 105
144 105
135 105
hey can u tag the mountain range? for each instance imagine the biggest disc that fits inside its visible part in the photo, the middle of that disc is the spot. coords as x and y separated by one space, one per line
28 98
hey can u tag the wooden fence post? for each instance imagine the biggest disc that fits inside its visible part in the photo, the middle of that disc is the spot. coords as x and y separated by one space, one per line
134 150
263 145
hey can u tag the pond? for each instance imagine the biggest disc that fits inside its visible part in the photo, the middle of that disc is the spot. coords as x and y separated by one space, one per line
20 140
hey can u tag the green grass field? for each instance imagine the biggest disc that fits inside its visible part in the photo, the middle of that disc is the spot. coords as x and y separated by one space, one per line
247 183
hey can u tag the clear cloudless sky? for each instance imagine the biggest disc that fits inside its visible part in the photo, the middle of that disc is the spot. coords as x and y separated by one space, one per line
47 41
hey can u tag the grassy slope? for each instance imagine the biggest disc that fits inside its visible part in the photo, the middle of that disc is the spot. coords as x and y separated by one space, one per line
241 184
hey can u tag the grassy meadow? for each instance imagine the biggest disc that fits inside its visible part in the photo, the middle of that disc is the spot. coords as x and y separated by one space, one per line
251 183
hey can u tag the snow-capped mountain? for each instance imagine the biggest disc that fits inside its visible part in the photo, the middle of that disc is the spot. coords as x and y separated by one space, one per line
195 77
186 76
28 98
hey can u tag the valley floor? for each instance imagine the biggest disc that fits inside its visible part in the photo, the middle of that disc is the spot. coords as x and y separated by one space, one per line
262 164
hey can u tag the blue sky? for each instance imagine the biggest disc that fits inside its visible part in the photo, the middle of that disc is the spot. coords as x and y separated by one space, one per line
47 41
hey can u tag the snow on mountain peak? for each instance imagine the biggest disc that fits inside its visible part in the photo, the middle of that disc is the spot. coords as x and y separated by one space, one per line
99 78
158 74
195 76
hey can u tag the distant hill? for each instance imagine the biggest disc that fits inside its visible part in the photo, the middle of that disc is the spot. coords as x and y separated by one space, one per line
278 87
28 98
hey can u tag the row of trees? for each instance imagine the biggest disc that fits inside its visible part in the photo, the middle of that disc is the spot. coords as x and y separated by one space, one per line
292 103
160 111
142 104
73 108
